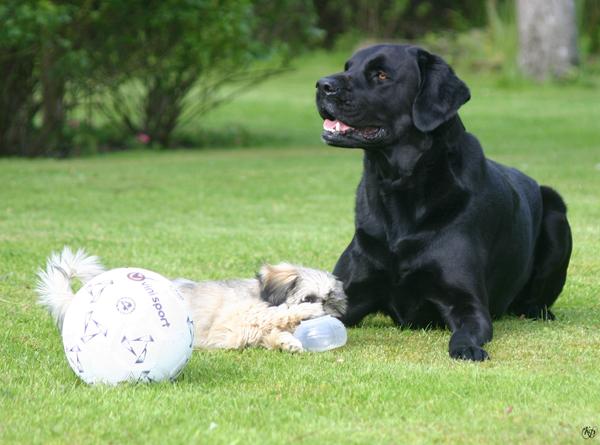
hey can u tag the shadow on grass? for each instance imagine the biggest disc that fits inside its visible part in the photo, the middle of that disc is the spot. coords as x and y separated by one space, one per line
507 325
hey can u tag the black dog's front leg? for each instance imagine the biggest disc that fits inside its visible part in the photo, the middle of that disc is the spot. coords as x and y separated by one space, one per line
364 283
471 327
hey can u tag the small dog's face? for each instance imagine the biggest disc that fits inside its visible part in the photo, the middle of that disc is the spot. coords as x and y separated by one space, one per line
286 283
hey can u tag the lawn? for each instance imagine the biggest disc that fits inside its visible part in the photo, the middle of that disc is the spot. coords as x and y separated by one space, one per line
221 212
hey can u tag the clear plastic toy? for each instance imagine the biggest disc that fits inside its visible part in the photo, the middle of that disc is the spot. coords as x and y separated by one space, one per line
321 334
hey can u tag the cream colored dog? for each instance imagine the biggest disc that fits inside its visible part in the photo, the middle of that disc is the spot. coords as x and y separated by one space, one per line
230 314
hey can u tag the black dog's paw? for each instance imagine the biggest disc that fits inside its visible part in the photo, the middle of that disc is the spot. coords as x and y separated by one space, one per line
474 353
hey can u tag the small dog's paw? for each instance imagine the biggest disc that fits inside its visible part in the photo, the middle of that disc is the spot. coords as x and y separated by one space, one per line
465 352
291 345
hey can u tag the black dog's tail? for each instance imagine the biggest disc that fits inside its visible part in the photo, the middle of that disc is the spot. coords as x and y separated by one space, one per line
552 255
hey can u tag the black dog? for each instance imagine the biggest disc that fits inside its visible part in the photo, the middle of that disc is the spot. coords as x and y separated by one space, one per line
443 235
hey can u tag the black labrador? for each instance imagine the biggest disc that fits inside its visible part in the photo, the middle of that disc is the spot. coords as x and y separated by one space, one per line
444 236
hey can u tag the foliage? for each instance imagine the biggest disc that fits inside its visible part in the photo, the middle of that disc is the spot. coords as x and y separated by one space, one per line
56 54
589 24
398 19
23 25
199 47
176 45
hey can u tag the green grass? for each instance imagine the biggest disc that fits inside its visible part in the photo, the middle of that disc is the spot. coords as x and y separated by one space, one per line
221 213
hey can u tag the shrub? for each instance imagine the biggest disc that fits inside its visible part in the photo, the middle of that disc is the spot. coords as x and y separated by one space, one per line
137 62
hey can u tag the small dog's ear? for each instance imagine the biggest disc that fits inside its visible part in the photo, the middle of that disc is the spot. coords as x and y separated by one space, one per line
276 282
441 92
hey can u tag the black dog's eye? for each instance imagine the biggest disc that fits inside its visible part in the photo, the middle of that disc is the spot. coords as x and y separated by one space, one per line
382 75
310 299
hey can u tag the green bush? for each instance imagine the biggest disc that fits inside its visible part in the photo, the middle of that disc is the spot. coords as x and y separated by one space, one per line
25 48
135 62
398 19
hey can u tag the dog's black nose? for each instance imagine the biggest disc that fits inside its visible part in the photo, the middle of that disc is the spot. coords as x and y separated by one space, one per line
328 85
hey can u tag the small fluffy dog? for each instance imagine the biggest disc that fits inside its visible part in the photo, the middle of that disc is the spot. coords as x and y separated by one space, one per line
231 314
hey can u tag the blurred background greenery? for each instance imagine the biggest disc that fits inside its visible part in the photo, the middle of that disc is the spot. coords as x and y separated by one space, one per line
80 77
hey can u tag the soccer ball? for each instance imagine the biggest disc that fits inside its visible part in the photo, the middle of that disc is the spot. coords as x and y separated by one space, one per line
128 324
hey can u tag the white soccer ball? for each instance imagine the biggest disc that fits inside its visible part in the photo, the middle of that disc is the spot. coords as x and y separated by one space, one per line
128 324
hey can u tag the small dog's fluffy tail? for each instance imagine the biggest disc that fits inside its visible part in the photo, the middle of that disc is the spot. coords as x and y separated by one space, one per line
54 283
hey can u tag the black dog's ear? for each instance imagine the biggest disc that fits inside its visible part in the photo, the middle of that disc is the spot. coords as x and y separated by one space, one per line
276 282
441 92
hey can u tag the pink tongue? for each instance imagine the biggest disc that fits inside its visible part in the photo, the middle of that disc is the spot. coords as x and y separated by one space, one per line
336 125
